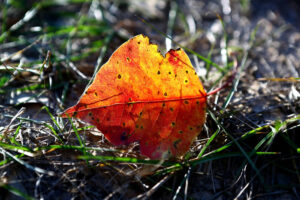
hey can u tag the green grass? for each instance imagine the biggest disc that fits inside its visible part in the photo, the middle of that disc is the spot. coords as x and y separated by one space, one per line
30 142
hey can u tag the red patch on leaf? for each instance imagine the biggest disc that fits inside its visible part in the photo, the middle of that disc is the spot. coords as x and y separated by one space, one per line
141 96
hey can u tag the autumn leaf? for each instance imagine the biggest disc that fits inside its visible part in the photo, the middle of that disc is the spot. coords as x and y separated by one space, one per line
141 96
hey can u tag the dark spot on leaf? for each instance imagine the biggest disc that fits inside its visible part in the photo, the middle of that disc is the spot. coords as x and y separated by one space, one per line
197 102
139 42
119 76
171 109
175 75
141 113
186 102
136 126
191 128
158 72
186 81
180 132
158 92
142 127
173 124
85 106
129 99
187 71
124 136
165 94
90 114
195 73
74 114
164 104
123 123
93 118
107 119
96 94
128 59
176 143
170 72
98 120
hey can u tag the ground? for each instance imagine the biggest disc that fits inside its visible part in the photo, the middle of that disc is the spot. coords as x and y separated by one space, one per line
248 148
